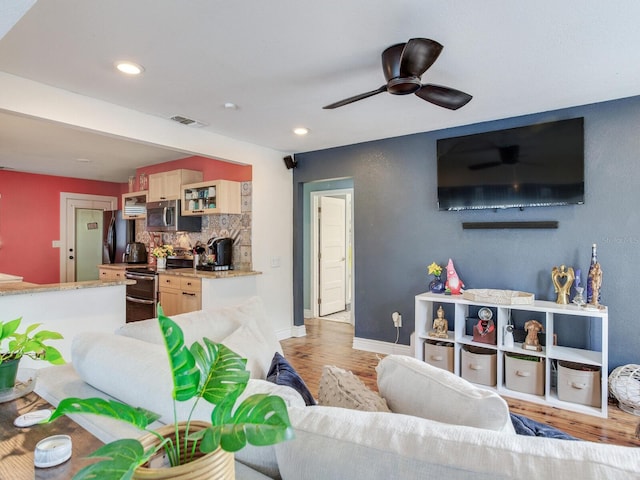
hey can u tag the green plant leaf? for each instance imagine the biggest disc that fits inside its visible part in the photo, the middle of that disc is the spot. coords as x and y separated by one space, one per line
31 328
122 458
186 376
8 328
136 416
43 335
259 420
224 372
53 356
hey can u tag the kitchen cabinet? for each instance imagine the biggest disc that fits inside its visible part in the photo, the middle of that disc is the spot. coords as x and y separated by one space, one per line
213 196
111 273
168 185
179 294
134 205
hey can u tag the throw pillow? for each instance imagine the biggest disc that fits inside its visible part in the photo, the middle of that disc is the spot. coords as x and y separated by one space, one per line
282 373
413 387
248 342
340 388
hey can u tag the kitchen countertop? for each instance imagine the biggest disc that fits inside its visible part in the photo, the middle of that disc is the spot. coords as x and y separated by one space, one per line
190 272
17 288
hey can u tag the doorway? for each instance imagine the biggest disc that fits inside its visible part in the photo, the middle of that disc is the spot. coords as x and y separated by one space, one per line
331 255
80 223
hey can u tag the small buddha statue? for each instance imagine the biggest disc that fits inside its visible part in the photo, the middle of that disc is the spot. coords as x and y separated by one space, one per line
440 325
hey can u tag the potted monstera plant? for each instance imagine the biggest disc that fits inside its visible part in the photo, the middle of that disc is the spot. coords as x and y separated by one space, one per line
206 371
14 346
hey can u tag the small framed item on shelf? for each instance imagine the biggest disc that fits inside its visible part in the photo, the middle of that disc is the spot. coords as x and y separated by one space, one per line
484 331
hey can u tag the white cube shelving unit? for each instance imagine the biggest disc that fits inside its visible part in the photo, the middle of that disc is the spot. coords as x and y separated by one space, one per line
426 305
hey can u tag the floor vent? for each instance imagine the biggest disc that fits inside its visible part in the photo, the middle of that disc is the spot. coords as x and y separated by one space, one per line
187 121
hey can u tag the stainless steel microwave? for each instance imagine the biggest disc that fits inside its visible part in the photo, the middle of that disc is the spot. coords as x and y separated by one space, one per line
165 216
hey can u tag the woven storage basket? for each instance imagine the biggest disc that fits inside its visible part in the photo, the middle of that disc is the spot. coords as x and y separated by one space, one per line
217 465
624 385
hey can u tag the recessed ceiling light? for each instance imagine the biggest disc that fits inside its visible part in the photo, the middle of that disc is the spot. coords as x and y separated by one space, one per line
129 68
230 106
300 130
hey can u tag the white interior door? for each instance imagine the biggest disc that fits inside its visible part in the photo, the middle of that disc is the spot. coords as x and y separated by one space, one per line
69 205
332 255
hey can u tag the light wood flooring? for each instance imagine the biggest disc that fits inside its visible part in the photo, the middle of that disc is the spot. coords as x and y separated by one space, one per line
329 343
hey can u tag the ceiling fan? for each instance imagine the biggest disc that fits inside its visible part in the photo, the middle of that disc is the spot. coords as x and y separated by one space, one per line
403 65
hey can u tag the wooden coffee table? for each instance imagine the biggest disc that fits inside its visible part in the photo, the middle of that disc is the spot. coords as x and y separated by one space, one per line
18 444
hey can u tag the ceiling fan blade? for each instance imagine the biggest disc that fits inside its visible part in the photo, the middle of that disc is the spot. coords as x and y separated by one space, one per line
355 98
482 166
444 96
418 55
391 61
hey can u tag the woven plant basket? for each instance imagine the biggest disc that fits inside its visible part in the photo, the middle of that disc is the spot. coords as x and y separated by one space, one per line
217 465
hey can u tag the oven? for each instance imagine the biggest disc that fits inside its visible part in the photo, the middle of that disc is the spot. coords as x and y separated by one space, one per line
142 296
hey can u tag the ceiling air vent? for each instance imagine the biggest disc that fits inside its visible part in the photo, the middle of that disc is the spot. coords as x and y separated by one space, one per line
187 121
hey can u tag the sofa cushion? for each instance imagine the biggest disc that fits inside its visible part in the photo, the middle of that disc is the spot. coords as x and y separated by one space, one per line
338 443
416 388
248 342
341 388
138 373
282 373
212 324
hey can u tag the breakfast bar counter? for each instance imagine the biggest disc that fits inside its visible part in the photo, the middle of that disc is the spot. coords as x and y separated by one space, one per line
190 272
18 288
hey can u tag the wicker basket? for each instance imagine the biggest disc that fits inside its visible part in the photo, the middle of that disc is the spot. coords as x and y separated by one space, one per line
624 385
217 465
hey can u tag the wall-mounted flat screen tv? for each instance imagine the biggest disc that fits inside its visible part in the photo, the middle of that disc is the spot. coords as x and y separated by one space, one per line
533 166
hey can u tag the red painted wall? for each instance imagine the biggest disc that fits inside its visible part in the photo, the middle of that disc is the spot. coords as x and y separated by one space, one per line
30 221
211 169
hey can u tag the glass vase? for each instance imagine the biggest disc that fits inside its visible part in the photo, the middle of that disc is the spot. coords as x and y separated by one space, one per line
436 285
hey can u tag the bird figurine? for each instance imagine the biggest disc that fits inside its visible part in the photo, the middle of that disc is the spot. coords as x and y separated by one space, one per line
453 285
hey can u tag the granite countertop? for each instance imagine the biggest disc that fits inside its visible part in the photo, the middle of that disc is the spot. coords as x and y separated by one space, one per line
190 272
17 288
122 266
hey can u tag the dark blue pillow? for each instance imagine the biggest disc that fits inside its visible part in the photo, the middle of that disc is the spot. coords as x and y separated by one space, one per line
282 373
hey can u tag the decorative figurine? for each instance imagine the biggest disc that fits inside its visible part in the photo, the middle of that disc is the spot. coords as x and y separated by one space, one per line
578 299
453 285
531 342
440 325
485 330
560 275
595 280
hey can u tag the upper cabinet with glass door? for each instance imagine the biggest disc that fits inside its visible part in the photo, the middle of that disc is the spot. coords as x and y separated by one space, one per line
213 196
134 205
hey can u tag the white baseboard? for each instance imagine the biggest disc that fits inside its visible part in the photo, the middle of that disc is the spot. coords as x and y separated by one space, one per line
293 331
377 346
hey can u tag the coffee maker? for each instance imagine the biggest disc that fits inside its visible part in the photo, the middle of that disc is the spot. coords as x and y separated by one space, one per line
221 249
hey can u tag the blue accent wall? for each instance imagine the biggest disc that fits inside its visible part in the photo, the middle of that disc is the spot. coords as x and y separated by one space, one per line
398 229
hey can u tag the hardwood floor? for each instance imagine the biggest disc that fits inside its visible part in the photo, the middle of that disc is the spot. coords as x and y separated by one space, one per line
329 343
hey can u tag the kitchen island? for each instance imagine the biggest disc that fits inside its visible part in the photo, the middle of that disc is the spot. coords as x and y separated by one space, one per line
67 308
187 289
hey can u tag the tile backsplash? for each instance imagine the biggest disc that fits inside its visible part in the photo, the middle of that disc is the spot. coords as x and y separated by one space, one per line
219 225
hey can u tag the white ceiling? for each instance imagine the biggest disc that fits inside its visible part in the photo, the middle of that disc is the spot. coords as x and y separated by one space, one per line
280 61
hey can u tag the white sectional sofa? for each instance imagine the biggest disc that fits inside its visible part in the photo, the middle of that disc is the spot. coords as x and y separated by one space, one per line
442 426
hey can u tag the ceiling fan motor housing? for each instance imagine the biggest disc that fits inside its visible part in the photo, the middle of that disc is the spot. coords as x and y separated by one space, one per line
403 86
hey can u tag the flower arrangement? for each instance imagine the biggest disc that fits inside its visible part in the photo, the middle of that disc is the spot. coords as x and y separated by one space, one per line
162 251
434 269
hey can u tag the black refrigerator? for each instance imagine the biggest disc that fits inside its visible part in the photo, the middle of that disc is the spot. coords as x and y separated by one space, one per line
118 232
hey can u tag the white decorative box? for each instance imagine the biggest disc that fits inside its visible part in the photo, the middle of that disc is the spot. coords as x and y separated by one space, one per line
499 297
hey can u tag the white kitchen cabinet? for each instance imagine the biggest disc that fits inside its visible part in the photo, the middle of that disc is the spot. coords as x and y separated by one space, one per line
213 196
168 185
461 312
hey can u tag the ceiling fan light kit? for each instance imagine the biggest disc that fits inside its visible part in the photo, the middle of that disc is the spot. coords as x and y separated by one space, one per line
403 65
